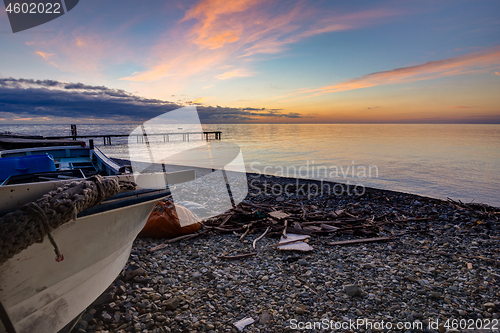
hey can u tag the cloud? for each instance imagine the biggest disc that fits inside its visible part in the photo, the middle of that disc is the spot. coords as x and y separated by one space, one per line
29 100
497 73
460 107
83 50
215 34
217 21
241 72
44 55
199 100
469 63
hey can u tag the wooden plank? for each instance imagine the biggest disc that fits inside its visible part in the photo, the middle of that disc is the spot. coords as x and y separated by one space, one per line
360 241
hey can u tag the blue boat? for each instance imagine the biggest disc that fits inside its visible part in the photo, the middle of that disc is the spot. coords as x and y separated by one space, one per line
52 163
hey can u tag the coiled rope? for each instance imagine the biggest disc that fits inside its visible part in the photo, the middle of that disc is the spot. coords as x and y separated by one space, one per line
34 220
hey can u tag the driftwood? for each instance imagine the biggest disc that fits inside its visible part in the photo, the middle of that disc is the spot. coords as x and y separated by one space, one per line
380 213
363 240
238 256
286 243
260 237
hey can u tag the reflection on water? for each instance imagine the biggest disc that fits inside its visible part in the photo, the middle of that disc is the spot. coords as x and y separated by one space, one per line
456 161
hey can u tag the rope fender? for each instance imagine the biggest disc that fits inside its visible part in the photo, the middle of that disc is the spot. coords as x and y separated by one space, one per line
34 220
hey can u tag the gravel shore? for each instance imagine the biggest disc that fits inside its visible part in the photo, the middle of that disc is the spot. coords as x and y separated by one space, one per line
439 272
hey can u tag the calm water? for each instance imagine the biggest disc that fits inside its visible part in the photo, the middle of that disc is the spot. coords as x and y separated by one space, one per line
456 161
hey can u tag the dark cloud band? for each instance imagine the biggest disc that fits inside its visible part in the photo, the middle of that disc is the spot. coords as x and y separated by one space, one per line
54 99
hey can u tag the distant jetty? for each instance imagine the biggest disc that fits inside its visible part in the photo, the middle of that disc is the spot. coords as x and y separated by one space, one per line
186 136
14 141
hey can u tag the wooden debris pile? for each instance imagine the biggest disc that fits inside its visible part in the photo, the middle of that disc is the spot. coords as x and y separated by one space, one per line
291 218
332 219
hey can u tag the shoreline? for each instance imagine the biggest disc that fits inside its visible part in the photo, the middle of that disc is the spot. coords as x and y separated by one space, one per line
432 271
203 171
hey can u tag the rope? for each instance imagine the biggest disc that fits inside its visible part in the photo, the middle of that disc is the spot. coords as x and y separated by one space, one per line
34 220
100 187
45 227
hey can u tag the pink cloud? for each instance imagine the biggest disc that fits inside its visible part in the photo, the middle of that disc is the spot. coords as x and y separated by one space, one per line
469 63
45 56
82 51
216 33
217 21
240 72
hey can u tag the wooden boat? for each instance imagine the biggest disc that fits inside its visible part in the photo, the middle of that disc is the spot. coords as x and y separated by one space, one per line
41 294
87 160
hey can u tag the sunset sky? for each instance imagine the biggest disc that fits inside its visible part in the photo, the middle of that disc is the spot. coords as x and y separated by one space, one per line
256 61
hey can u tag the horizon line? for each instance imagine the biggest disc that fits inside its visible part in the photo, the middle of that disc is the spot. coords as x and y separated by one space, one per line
277 123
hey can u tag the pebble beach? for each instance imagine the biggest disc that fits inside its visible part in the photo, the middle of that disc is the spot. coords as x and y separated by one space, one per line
438 272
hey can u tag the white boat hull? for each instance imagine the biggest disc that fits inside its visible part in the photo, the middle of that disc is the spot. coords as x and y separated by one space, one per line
42 295
12 197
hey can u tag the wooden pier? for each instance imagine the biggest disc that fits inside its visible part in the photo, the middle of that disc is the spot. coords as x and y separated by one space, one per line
186 136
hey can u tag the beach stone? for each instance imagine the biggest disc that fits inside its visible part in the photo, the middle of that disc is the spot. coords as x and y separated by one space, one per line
304 294
301 309
417 315
352 290
489 305
264 317
435 295
134 271
104 299
106 317
87 317
172 303
121 290
297 283
302 262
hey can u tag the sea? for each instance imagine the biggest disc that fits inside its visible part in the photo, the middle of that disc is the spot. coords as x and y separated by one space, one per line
457 161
